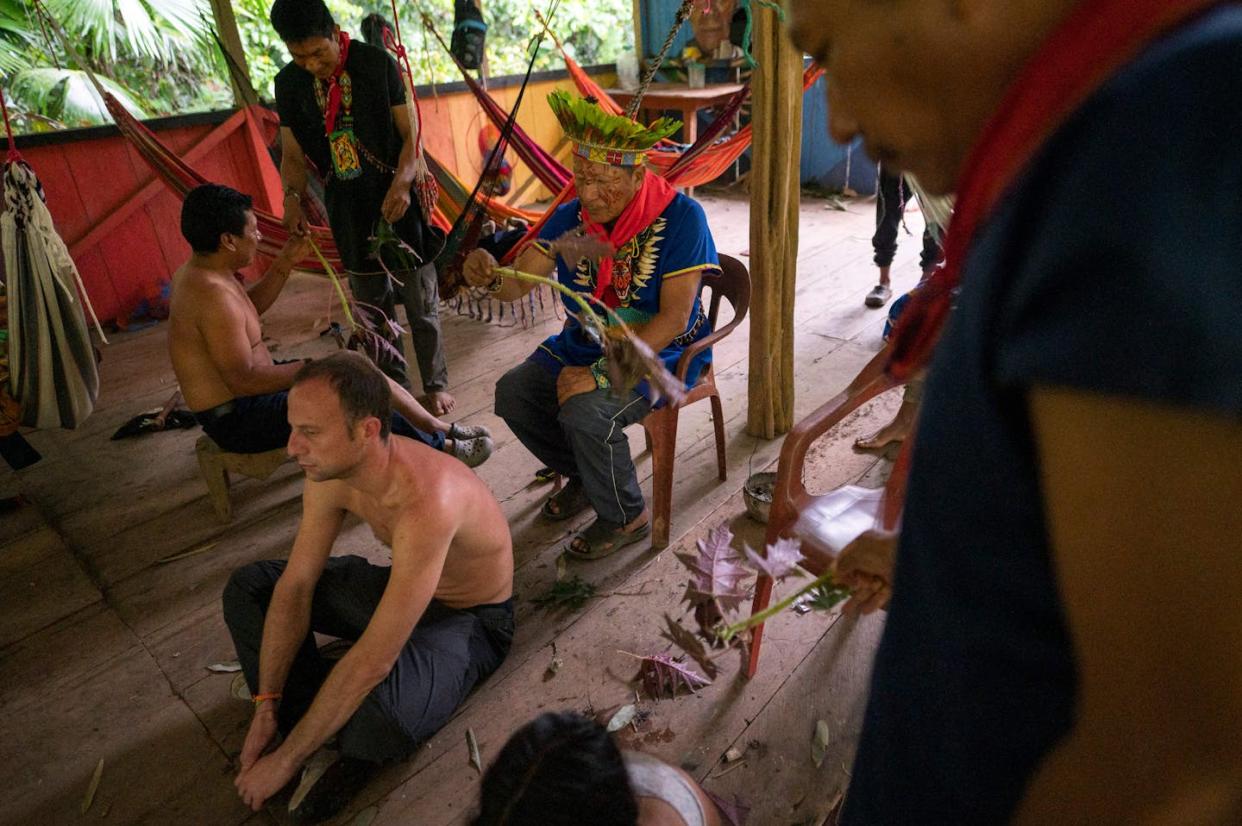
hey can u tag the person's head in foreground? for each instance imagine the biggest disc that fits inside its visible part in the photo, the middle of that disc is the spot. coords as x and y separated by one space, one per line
560 769
309 33
218 221
918 79
609 153
340 408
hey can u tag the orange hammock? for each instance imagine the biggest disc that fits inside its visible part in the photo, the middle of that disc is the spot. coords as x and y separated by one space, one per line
181 178
711 162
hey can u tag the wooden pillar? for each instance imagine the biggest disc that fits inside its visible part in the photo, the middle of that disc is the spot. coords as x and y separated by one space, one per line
776 117
226 28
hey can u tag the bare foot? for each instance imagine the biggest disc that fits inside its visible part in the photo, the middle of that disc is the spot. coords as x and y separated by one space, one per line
895 431
438 402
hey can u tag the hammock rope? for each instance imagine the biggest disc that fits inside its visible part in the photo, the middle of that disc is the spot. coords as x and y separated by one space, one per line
683 14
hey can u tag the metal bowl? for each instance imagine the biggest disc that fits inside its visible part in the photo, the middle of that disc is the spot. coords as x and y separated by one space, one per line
758 492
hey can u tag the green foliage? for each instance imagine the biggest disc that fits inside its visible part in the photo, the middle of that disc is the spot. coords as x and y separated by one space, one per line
67 97
162 52
587 122
567 595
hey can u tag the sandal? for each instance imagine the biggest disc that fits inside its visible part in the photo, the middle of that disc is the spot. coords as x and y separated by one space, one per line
473 452
879 296
570 501
468 431
604 538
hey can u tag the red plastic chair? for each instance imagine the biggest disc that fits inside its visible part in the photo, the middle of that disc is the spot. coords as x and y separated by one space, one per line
732 283
789 494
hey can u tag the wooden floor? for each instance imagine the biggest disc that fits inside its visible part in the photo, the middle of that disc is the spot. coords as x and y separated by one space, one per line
104 644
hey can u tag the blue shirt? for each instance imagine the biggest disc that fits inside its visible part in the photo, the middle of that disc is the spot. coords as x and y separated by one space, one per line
676 244
1114 267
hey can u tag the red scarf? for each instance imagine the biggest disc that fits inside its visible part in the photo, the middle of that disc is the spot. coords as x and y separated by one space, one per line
334 86
652 198
1084 52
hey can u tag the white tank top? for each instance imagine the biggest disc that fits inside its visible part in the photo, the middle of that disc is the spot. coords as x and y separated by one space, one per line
650 777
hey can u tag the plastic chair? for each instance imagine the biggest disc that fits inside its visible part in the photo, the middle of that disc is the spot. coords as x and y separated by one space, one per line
732 283
789 494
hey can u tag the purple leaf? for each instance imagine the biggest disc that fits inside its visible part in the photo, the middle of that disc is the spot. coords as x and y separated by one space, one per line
735 813
780 561
689 643
664 676
716 572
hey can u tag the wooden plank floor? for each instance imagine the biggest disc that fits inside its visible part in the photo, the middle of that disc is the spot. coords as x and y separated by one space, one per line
104 644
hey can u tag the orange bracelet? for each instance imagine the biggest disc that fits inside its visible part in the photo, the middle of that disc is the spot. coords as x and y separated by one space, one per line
272 695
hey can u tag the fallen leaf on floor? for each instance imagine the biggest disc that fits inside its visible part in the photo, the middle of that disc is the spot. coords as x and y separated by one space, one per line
473 745
624 716
691 644
562 567
734 813
225 668
366 817
664 676
553 668
315 767
568 595
238 688
819 744
164 560
92 788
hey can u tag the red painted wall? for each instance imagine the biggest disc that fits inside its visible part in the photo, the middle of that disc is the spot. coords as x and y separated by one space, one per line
87 181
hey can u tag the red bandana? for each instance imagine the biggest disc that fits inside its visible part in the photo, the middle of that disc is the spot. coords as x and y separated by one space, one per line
1084 52
334 86
652 198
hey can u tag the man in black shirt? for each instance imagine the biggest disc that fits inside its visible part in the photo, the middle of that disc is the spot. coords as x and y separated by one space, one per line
343 105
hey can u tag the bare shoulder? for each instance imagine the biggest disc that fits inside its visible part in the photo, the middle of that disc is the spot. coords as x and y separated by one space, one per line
194 290
439 486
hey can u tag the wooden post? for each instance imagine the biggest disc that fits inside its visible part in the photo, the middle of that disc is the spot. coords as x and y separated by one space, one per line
638 30
775 186
226 27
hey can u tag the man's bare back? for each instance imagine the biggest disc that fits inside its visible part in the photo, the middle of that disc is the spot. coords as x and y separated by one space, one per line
429 485
202 300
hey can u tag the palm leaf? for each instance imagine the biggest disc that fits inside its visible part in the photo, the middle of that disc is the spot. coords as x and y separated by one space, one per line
68 96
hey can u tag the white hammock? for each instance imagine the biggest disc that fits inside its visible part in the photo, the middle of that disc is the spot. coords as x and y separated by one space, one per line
51 360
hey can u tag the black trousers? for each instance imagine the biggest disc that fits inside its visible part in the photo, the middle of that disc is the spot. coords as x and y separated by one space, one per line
257 424
449 653
890 205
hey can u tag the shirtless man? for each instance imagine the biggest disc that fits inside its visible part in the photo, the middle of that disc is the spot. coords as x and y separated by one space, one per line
426 629
227 375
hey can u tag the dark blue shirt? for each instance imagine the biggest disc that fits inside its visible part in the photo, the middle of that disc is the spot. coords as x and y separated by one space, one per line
1114 267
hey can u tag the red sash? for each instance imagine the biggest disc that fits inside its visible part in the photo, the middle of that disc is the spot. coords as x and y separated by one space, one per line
334 87
1084 52
652 198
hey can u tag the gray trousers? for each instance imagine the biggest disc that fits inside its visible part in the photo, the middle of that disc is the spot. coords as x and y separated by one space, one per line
450 651
583 440
420 294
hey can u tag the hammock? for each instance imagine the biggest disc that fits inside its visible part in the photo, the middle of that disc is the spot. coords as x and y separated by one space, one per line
703 161
708 160
550 172
51 360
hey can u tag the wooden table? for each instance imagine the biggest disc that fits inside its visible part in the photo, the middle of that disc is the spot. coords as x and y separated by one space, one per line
679 96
